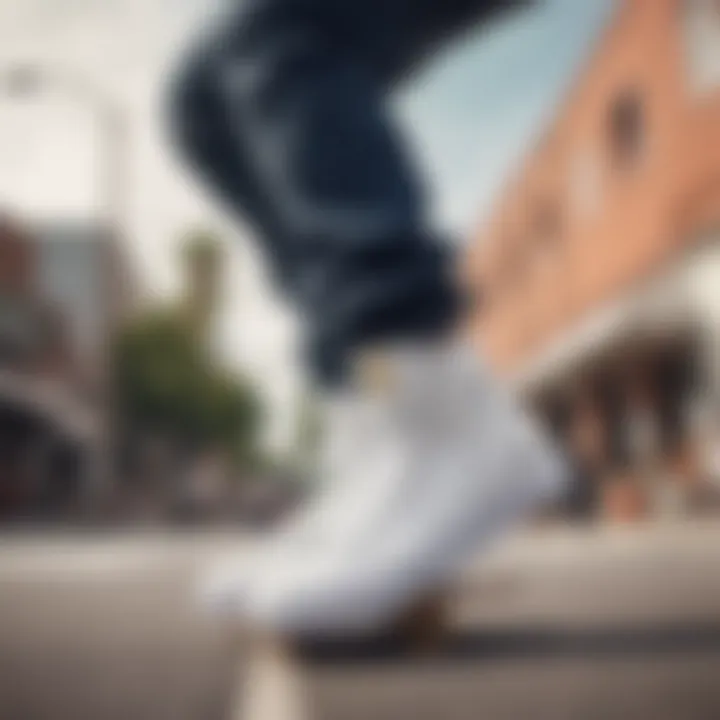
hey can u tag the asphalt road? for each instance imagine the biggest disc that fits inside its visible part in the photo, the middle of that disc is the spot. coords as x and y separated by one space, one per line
568 625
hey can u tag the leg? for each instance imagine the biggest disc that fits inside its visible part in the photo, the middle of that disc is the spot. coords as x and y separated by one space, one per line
201 129
302 100
284 112
303 84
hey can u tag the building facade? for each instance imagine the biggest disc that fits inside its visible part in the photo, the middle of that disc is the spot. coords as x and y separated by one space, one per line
59 302
601 264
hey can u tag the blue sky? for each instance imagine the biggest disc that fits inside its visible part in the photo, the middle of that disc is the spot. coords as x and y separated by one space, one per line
471 118
474 114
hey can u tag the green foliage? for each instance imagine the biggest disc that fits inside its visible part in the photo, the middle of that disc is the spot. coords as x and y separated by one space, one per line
309 432
166 384
203 257
202 246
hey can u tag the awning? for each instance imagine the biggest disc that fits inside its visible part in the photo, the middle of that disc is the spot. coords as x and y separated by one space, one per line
665 307
53 401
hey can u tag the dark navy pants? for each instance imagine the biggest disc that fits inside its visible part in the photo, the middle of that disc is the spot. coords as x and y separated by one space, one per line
282 108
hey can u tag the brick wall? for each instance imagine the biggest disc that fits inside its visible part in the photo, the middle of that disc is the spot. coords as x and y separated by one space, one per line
625 179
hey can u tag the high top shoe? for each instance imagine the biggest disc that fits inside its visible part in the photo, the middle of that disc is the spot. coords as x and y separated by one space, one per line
436 461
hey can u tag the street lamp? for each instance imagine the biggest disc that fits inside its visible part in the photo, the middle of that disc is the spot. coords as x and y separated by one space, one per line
25 80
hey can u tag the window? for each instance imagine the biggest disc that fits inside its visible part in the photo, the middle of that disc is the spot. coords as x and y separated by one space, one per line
701 41
626 129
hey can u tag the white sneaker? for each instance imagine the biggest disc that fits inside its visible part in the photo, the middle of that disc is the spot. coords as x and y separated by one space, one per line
361 446
446 462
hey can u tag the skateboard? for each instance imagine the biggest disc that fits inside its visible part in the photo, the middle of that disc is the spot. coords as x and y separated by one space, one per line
421 630
270 678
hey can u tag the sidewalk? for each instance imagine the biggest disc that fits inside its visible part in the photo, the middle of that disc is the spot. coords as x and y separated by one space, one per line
557 624
533 550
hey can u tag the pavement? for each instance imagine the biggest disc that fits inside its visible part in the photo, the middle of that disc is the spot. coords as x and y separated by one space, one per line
563 624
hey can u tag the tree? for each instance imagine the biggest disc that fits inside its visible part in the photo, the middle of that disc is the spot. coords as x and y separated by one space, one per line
167 386
202 258
309 432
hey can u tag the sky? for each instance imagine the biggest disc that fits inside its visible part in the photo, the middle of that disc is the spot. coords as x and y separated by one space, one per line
471 118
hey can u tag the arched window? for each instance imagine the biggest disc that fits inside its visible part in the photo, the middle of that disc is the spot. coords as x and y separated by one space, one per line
626 129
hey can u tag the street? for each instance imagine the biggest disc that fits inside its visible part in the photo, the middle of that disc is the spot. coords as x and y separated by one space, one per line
560 624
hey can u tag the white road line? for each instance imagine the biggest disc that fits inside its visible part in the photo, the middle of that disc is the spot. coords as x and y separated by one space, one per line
271 686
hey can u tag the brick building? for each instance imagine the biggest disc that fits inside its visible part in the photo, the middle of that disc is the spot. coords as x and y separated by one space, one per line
59 300
601 263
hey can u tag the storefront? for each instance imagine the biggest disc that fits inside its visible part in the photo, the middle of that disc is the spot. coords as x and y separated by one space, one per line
50 402
632 397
